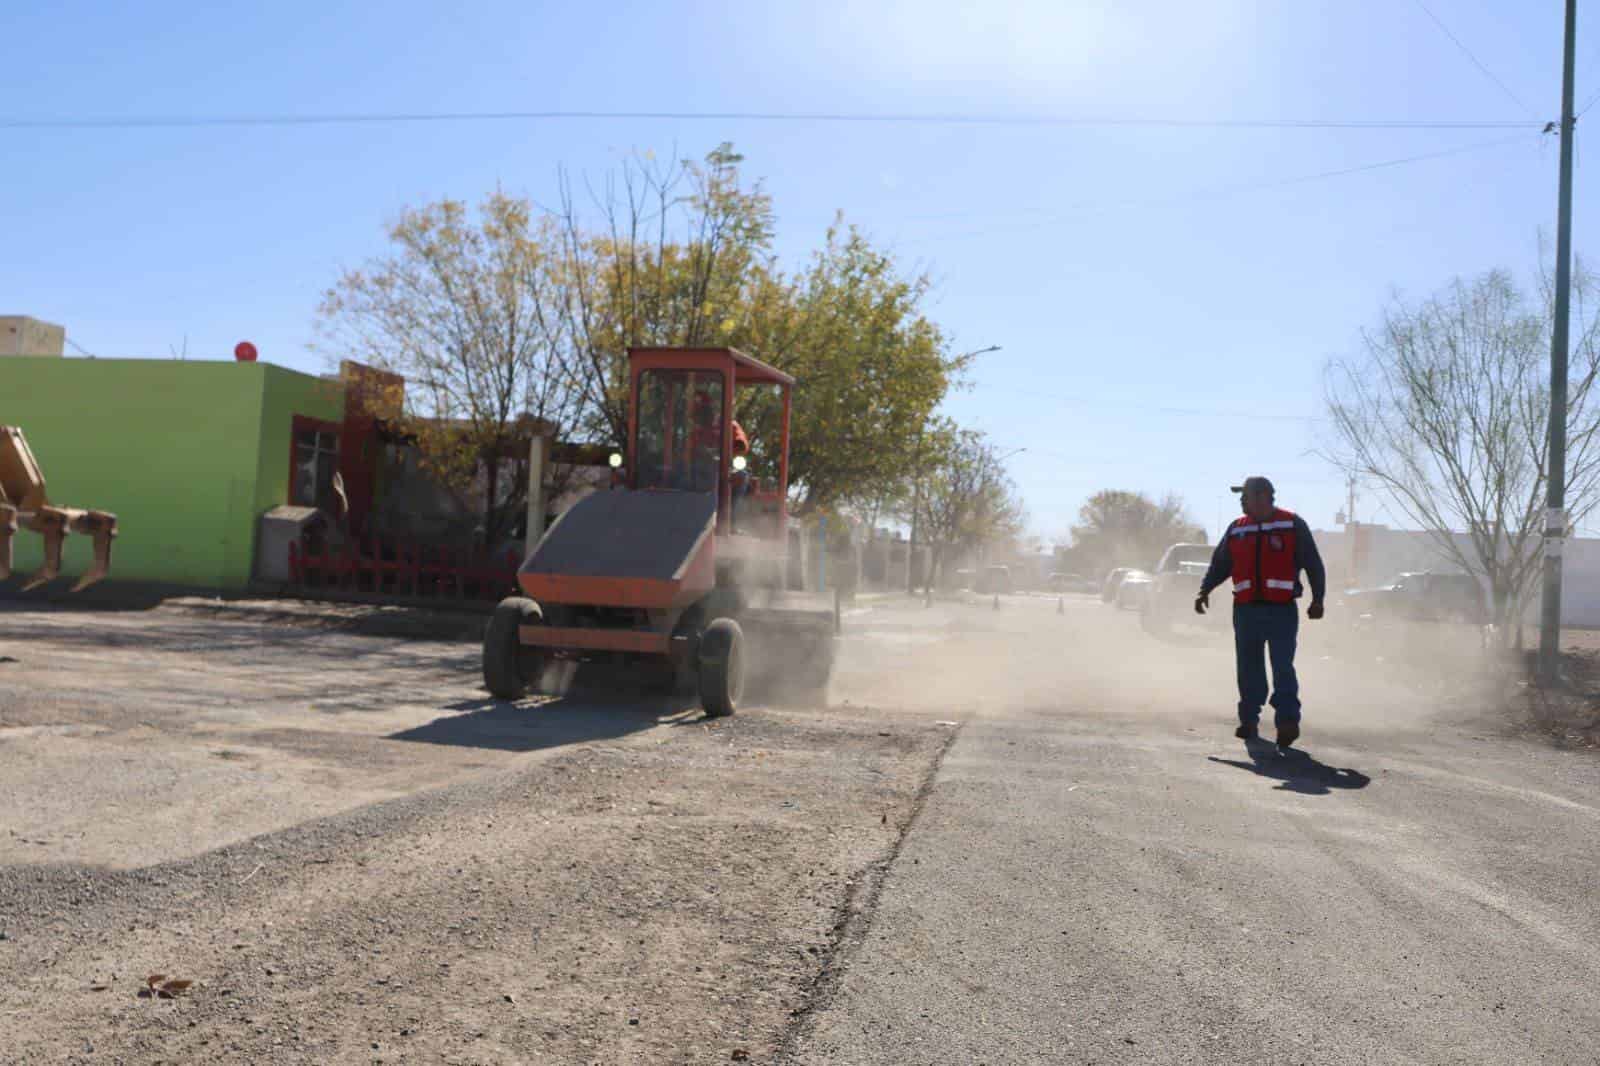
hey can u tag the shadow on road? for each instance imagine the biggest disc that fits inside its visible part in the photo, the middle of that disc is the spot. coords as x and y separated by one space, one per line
1298 771
527 726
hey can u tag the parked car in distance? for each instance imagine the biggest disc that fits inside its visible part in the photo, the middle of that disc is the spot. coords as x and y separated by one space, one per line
1108 588
1133 590
992 580
1422 596
1060 582
1175 584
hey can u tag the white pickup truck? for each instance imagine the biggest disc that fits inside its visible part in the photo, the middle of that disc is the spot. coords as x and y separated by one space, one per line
1175 584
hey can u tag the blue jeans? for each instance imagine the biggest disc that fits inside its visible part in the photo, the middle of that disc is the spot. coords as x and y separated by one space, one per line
1261 630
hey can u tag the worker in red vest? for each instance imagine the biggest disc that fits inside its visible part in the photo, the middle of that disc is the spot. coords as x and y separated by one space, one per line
1263 552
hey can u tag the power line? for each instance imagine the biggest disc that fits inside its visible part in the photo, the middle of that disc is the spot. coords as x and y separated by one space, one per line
1232 190
1403 161
1475 61
1590 102
909 118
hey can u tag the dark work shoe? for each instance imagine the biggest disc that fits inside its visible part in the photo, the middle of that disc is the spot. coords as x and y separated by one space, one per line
1288 733
1246 732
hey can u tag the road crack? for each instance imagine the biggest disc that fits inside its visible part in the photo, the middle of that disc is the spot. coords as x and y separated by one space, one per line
854 915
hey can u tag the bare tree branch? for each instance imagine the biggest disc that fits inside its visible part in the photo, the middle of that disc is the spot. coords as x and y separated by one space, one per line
1447 412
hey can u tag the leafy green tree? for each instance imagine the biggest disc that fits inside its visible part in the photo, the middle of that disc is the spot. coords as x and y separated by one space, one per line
1120 528
517 315
684 256
872 368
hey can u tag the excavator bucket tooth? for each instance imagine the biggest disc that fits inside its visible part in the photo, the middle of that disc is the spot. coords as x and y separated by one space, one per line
8 530
102 526
51 524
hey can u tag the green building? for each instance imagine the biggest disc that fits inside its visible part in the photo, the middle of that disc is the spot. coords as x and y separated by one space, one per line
186 454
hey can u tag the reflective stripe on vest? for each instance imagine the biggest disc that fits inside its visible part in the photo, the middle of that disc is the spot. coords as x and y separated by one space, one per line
1263 556
1239 531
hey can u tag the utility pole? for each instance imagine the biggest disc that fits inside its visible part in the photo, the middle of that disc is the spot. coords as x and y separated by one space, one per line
1556 500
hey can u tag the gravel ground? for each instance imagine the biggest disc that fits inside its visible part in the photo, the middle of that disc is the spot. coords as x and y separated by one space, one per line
358 858
1022 832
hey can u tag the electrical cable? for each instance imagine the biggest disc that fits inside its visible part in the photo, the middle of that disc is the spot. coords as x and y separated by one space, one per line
1475 61
1587 105
974 119
1222 192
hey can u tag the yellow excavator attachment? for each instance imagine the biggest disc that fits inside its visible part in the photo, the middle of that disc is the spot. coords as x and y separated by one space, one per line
23 504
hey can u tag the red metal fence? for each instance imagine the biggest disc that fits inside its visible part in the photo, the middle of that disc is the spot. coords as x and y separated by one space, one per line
403 569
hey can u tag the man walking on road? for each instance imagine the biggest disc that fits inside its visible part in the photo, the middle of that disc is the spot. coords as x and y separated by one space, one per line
1263 552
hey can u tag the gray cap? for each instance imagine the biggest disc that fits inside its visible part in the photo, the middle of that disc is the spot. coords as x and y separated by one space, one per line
1255 483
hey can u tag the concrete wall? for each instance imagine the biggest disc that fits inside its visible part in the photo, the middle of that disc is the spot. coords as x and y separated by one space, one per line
186 453
21 335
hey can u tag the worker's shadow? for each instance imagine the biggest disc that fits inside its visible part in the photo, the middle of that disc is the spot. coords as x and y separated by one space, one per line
1298 771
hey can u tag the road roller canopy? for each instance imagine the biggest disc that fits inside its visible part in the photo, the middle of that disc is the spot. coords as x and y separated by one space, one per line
688 407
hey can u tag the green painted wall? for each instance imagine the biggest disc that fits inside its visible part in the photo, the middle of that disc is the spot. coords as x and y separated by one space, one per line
286 395
187 454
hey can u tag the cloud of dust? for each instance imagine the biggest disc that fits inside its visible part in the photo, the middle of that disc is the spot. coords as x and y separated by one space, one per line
1042 654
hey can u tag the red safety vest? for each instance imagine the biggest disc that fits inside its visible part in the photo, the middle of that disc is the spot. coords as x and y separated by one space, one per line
1264 570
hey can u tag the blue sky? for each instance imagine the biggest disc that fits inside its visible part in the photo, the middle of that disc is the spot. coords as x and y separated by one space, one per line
1164 299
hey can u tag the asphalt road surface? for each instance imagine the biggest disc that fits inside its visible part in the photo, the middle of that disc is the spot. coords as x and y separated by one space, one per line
1100 873
1017 835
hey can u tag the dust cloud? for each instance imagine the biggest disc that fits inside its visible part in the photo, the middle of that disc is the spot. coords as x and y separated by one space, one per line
1043 653
963 656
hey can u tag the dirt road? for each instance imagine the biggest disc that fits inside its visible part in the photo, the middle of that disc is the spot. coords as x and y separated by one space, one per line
1018 835
359 858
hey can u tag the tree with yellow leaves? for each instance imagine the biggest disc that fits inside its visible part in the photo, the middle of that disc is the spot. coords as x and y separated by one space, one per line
521 315
459 308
